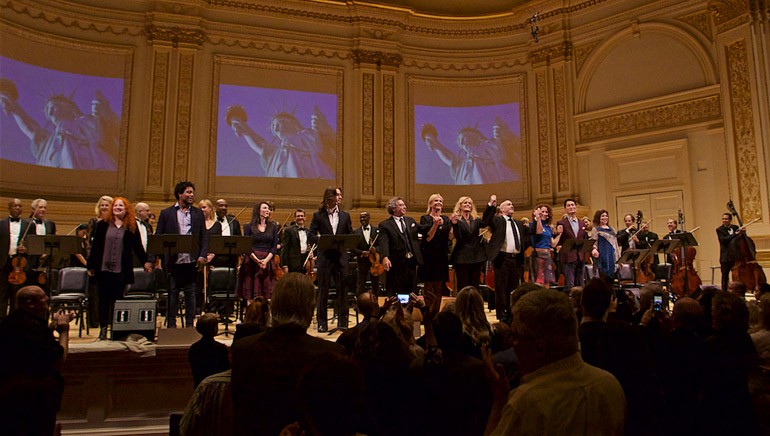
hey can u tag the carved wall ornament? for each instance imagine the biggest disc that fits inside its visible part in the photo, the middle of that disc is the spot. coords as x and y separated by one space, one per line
701 21
560 51
477 66
728 14
543 145
388 133
361 56
183 115
562 147
157 118
743 130
672 115
581 53
115 27
367 133
175 35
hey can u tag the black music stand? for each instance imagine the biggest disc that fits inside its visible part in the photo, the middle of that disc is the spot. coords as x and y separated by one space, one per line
633 258
38 245
582 246
339 243
664 246
168 245
686 239
229 245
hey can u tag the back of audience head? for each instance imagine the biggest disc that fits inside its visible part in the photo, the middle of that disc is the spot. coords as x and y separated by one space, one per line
762 289
544 328
502 337
208 325
764 307
379 345
258 312
687 314
32 299
738 288
293 300
402 325
449 331
331 396
597 296
522 290
729 314
469 307
367 305
645 295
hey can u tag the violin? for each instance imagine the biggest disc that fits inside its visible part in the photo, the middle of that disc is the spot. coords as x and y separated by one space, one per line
746 268
310 264
374 257
18 276
277 266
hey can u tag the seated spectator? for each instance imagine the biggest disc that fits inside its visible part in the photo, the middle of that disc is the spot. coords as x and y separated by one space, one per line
207 356
503 352
759 383
266 367
559 393
369 308
469 307
738 288
255 320
210 409
31 384
730 358
576 297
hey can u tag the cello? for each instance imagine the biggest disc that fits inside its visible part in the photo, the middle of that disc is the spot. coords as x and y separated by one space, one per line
644 272
746 269
685 280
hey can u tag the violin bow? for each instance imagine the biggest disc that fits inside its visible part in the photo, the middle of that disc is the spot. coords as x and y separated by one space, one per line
374 240
230 221
640 227
309 255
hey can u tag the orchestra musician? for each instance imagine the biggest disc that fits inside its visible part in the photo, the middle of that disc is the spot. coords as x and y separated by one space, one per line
295 244
368 234
468 256
330 219
672 226
624 236
142 213
12 229
436 232
571 227
729 252
40 226
506 251
230 224
399 247
256 278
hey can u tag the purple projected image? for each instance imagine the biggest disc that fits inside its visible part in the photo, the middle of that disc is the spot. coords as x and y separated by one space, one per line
58 119
265 132
467 145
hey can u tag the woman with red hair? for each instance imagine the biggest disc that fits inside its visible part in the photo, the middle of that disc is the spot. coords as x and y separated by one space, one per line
115 238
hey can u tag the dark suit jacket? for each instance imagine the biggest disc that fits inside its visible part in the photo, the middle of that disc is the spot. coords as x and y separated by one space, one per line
729 251
168 225
566 235
497 227
5 237
132 243
266 368
320 225
391 243
290 248
50 227
363 244
235 226
468 246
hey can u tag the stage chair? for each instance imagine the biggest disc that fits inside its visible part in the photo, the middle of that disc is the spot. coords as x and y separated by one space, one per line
221 289
71 293
143 287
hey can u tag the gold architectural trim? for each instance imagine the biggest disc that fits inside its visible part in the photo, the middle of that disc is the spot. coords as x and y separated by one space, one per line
157 118
729 14
367 134
556 52
174 35
562 147
667 116
81 22
183 116
699 20
581 53
743 130
475 66
375 57
543 145
388 134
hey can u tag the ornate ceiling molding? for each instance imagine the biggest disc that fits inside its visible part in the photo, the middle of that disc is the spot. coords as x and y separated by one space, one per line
701 21
729 14
174 35
115 27
556 52
375 57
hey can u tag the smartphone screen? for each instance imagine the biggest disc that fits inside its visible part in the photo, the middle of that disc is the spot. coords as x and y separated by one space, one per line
403 298
657 303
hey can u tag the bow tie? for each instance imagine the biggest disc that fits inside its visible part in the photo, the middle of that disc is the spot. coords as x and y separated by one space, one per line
14 220
366 228
220 219
300 228
37 221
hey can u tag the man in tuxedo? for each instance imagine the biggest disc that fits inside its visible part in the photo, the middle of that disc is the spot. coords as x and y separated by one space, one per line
570 227
295 244
184 219
42 227
368 234
729 251
624 236
506 251
142 214
230 224
330 219
399 249
12 229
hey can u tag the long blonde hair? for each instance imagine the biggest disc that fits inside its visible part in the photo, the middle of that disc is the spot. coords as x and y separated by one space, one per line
106 198
210 205
474 213
430 201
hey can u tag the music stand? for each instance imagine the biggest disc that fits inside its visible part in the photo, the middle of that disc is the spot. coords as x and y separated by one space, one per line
582 246
38 245
686 239
633 258
168 245
339 243
229 245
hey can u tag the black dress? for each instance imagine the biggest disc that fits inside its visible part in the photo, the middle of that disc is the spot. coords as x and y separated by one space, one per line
435 253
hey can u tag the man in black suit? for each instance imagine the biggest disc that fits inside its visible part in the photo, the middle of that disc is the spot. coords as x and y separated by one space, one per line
267 367
296 242
184 219
399 248
331 220
230 224
571 227
506 251
40 226
11 231
729 251
368 234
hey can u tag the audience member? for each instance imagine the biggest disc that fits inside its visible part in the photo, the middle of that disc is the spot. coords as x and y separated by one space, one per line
576 297
266 367
369 308
559 393
31 384
469 307
210 409
207 356
759 383
503 353
738 288
255 320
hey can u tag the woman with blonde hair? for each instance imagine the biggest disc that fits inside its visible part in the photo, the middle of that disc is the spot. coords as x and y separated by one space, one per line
115 239
477 332
468 256
436 233
101 210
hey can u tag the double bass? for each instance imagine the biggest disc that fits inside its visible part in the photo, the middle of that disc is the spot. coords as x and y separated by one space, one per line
644 272
746 269
685 280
